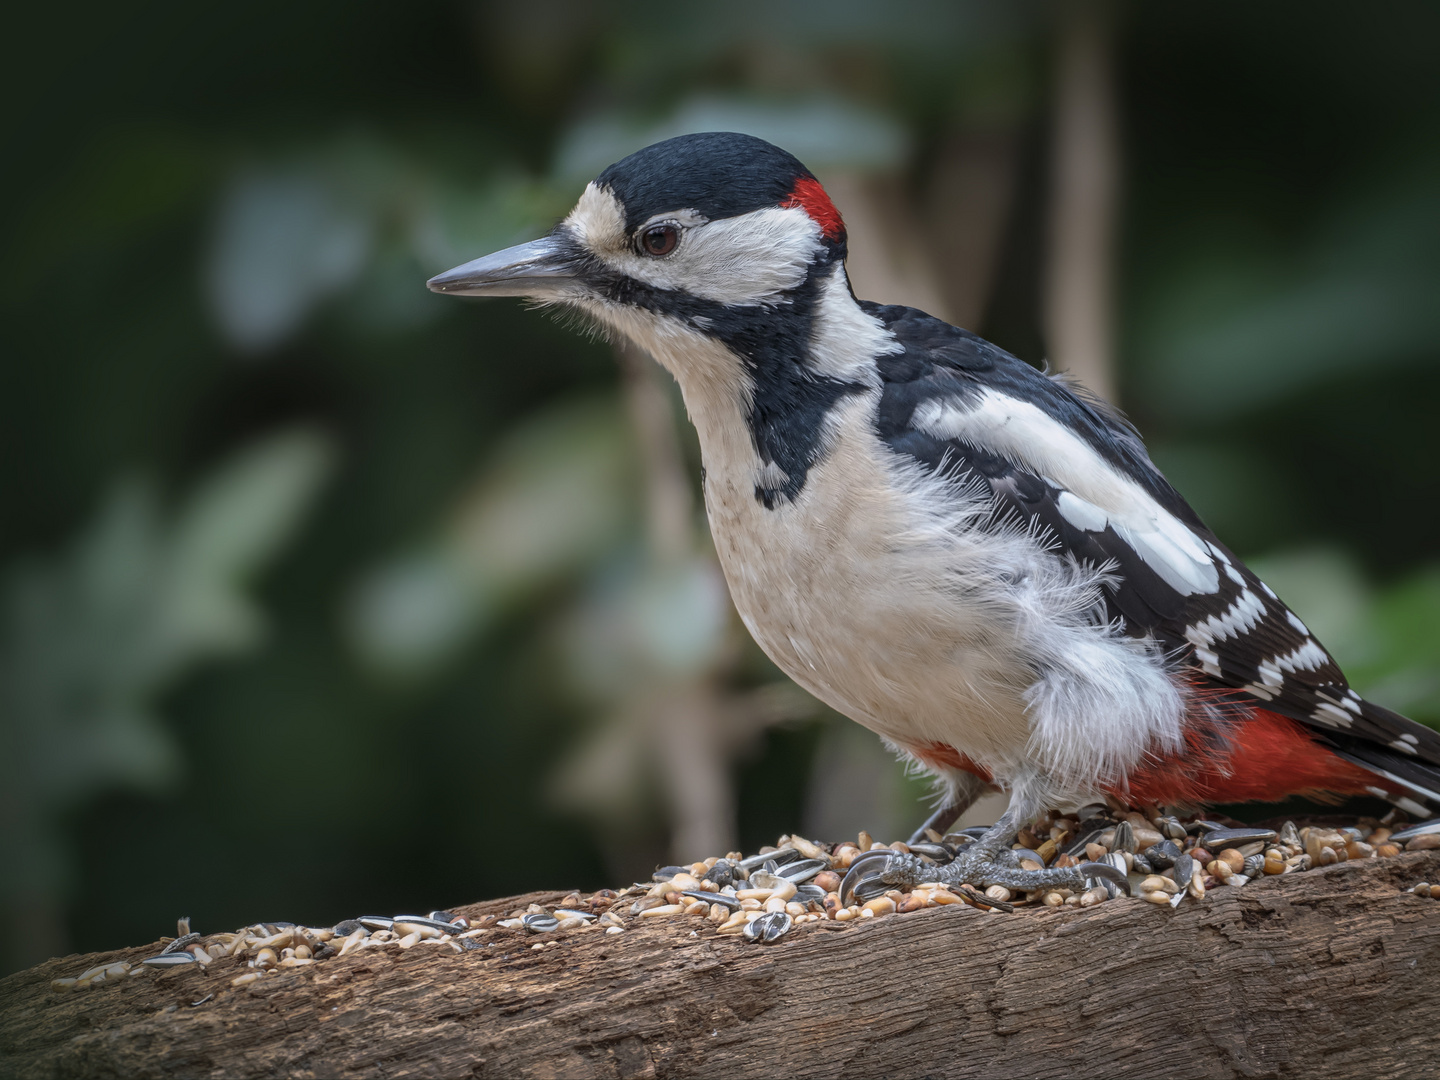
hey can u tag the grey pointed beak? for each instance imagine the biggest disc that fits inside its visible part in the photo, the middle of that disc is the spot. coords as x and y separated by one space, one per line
543 267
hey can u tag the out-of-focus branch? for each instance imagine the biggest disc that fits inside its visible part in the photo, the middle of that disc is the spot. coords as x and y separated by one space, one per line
1084 182
971 190
687 711
669 507
888 262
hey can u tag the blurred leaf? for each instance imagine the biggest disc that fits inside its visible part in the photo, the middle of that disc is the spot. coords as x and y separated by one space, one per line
238 519
285 240
454 224
1405 673
1237 326
91 638
556 495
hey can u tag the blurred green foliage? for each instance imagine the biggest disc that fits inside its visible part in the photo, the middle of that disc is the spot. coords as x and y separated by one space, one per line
216 226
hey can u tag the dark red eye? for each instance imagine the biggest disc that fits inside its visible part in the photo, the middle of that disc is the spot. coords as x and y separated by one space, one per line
659 239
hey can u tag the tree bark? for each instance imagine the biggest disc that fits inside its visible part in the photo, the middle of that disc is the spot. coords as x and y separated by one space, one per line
1330 973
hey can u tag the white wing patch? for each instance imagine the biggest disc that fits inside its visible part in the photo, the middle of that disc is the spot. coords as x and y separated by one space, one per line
1094 494
1407 743
1329 714
1307 657
1239 618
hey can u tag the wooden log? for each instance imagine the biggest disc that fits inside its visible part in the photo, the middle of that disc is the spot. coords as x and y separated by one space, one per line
1331 973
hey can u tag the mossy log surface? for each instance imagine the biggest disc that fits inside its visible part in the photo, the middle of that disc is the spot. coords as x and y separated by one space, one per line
1332 973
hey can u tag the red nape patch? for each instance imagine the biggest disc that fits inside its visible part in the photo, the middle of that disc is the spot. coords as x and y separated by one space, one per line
810 197
1270 757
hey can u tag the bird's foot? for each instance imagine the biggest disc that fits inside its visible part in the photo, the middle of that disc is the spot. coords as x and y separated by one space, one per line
980 865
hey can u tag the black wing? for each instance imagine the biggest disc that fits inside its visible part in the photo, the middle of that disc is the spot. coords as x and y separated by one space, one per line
1238 637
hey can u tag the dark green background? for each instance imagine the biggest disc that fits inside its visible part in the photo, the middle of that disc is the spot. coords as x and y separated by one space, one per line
1281 252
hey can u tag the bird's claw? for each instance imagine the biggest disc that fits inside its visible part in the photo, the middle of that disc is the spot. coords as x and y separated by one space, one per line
870 864
896 869
1104 870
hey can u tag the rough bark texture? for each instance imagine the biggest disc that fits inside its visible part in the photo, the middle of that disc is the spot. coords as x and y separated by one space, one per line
1333 973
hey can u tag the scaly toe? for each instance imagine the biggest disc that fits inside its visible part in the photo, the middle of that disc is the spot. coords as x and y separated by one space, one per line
891 867
1092 870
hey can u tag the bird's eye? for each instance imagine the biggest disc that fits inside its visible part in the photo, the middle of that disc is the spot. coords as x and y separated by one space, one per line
659 239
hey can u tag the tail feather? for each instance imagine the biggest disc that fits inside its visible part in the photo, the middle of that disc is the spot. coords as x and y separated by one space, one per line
1408 765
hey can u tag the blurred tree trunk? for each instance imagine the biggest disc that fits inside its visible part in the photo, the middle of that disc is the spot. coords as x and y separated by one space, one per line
1084 182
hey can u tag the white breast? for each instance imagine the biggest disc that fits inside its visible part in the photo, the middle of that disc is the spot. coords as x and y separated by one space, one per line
877 590
861 593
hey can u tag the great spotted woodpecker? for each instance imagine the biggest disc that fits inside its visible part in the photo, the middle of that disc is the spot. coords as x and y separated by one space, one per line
975 560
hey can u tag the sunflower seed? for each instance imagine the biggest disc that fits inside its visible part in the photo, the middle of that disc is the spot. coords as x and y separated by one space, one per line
1162 856
1117 860
375 922
540 922
174 959
1124 837
722 873
779 858
804 894
1171 829
769 927
941 853
869 888
802 870
765 879
1184 870
1425 828
1220 837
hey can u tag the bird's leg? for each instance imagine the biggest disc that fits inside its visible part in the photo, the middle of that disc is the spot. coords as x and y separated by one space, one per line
964 789
988 861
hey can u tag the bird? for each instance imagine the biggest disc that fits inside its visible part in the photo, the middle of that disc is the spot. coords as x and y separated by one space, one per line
973 558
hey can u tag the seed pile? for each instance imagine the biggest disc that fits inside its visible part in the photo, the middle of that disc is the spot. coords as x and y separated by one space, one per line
763 897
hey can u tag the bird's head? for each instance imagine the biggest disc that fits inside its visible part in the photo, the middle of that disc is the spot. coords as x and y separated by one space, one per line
718 234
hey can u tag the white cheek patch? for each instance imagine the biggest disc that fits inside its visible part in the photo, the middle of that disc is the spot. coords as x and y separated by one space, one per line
1094 494
747 260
